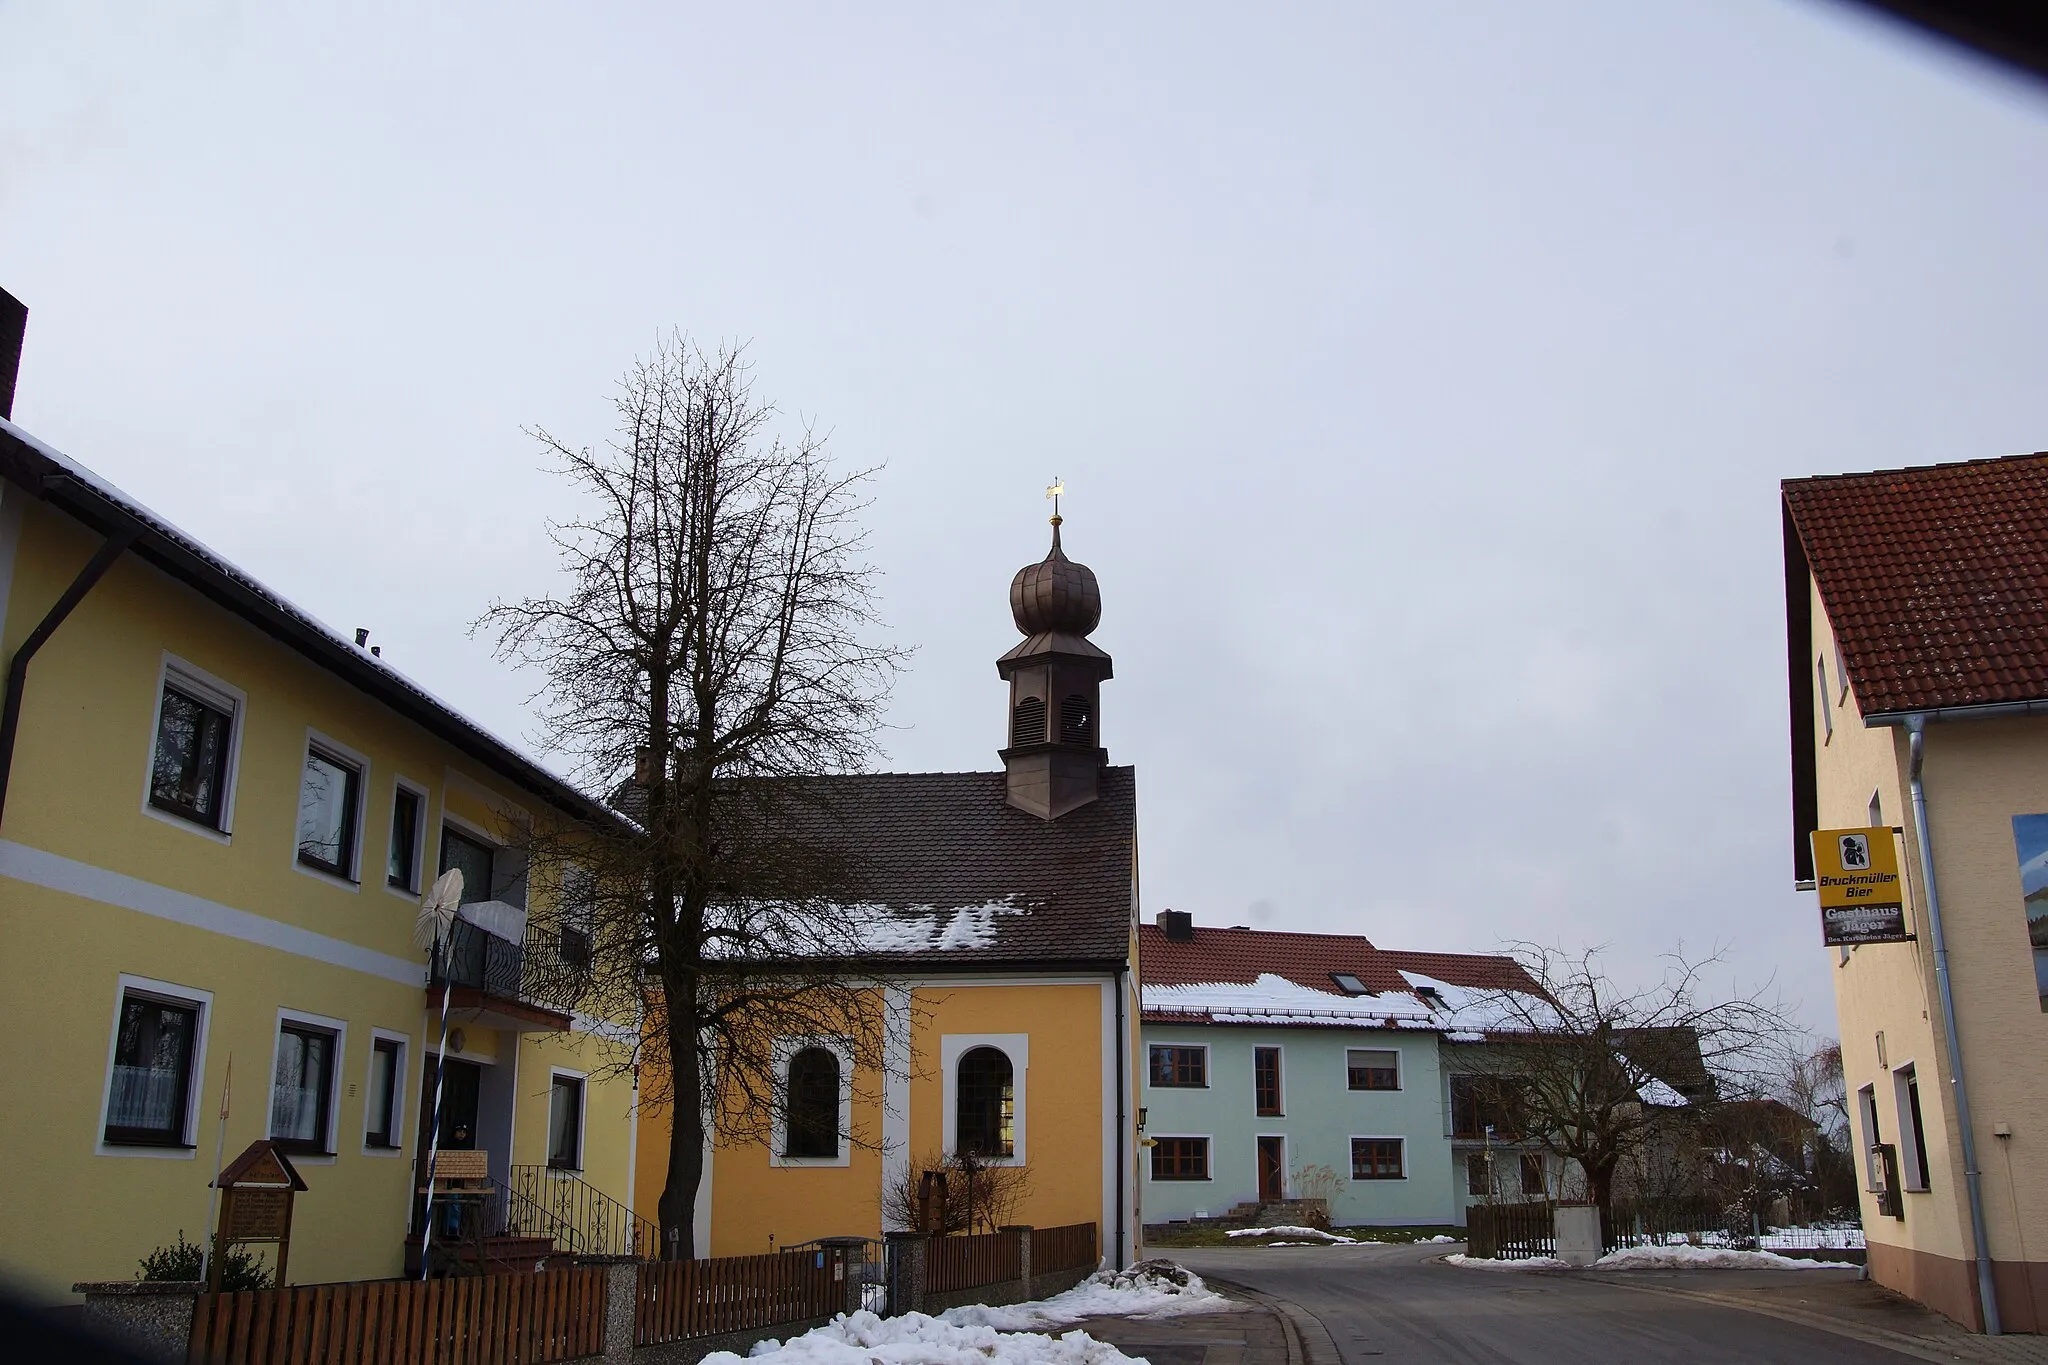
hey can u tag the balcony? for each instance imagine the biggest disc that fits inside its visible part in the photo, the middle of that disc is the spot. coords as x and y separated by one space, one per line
489 981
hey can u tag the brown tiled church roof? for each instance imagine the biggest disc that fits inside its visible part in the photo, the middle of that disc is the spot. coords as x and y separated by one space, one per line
1243 955
1935 580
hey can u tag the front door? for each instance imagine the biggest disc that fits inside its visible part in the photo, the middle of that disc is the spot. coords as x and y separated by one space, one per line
1272 1169
458 1129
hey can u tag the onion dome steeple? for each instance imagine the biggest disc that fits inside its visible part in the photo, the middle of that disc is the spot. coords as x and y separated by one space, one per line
1055 755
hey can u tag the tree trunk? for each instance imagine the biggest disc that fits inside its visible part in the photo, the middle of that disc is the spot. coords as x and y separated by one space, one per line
1600 1185
678 1207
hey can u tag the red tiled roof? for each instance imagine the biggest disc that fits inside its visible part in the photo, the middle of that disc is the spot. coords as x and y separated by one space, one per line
1935 580
1242 955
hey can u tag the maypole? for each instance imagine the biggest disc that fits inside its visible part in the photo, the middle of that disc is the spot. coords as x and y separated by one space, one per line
433 931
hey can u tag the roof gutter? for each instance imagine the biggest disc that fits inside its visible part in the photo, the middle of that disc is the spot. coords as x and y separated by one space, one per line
1987 1293
1995 710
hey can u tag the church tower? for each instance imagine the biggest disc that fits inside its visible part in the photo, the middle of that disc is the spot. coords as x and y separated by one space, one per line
1055 757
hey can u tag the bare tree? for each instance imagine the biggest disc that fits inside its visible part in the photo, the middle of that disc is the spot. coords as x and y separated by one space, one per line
711 650
1600 1073
955 1192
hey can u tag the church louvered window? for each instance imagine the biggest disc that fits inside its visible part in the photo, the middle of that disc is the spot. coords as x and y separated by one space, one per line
1027 724
1077 720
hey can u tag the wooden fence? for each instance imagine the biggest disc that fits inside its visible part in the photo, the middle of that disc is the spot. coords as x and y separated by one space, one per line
683 1299
478 1320
1510 1232
971 1261
1069 1248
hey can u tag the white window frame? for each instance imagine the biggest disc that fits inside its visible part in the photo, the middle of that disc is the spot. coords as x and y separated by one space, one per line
1866 1113
340 753
1208 1065
784 1053
1911 1137
216 692
420 880
1209 1163
399 1082
1282 1050
1400 1071
499 849
339 1028
547 1156
1015 1046
1351 1168
172 994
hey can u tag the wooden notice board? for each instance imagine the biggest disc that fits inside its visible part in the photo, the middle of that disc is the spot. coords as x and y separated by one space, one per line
256 1191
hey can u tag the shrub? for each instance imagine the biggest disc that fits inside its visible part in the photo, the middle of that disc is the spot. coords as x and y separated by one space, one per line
239 1269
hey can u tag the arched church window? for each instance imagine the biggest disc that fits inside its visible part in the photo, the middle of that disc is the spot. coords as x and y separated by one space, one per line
1027 723
985 1121
1077 720
813 1121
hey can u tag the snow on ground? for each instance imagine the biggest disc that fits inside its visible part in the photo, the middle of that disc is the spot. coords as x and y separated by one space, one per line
1440 1237
1290 1230
915 1339
1660 1258
1149 1289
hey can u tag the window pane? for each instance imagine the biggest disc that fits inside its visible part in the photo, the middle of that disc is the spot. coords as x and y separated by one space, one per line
405 835
1180 1066
191 758
383 1092
1373 1069
984 1122
327 813
298 1095
1181 1158
152 1070
1532 1173
1266 1080
564 1106
474 858
813 1119
1375 1158
1476 1181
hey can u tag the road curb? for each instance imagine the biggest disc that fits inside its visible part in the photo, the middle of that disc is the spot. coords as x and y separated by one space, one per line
1308 1341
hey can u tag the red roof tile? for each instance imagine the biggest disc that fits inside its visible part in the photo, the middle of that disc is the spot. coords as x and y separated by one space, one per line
1242 955
1935 579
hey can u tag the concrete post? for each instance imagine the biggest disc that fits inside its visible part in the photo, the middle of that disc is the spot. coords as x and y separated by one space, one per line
153 1317
1022 1233
1578 1234
621 1305
906 1253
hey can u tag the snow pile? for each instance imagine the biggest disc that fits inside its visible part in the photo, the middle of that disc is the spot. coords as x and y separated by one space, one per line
1440 1237
914 1339
1149 1289
1480 1263
1290 1230
1275 999
1713 1258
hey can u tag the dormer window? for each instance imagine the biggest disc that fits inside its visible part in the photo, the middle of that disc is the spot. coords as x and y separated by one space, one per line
1430 995
1349 984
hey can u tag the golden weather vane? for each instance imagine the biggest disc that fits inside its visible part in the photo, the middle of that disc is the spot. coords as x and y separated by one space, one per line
1053 491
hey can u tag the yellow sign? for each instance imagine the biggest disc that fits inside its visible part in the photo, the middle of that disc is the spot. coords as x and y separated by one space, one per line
1862 899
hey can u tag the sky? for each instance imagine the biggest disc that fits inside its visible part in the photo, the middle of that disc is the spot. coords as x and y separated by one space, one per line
1420 375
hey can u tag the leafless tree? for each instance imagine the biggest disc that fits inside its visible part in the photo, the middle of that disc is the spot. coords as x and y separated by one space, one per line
1587 1060
712 648
965 1195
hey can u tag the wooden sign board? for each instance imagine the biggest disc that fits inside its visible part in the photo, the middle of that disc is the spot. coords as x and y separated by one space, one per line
256 1206
258 1215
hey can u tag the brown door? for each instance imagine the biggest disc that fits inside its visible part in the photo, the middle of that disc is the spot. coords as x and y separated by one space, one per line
1272 1169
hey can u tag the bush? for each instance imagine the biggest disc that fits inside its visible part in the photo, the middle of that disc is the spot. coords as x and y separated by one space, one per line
239 1269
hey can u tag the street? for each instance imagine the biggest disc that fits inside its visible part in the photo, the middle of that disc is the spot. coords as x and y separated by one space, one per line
1401 1303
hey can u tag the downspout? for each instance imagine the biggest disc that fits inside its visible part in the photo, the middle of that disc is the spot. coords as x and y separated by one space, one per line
17 669
1123 1061
1987 1293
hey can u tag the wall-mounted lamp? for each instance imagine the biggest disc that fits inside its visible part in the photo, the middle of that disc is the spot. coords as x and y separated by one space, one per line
1141 1118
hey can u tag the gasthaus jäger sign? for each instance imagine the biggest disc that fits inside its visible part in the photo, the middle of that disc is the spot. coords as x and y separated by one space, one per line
1862 899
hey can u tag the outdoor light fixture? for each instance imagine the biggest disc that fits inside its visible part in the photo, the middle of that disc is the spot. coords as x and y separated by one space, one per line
1141 1118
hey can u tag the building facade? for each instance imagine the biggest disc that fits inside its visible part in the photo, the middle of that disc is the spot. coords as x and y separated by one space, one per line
218 822
1285 1066
1917 655
997 912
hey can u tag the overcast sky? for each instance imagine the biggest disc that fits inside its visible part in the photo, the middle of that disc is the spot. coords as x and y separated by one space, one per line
1421 374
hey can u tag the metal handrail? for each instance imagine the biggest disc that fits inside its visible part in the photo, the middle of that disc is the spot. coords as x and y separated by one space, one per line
588 1220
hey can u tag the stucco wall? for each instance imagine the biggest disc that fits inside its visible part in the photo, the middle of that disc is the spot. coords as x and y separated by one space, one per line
1322 1116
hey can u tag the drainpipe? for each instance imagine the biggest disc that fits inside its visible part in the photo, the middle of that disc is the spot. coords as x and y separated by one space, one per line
17 669
1123 1061
1916 730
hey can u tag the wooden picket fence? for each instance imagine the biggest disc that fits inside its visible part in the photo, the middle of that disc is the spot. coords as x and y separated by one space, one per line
972 1261
679 1300
1510 1232
1067 1248
477 1320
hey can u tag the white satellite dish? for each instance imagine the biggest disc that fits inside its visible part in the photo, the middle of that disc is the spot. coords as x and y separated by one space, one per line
437 911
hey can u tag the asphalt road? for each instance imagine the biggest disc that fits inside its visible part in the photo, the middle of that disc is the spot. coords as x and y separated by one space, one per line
1383 1305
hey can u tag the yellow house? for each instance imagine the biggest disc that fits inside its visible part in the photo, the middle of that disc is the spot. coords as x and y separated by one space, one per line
217 818
1001 913
1917 643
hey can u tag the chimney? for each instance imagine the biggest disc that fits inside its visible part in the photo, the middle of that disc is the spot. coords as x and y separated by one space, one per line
1177 925
13 325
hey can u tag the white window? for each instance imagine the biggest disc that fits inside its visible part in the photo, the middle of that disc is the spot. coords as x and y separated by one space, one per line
331 809
1912 1136
984 1094
1827 713
1379 1158
814 1103
1873 1166
565 1121
408 835
154 1063
1841 675
1372 1068
304 1073
384 1094
195 745
578 915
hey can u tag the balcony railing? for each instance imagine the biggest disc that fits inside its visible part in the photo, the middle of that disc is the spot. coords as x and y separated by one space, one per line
474 959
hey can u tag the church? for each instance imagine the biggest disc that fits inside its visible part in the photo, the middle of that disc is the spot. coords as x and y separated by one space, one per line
1002 912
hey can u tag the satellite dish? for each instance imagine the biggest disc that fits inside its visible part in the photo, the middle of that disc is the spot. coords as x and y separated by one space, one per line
437 911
